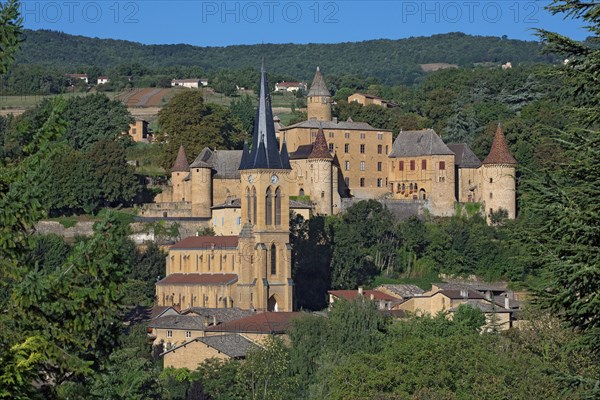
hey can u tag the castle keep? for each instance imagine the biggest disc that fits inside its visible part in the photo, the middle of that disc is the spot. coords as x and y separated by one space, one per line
330 161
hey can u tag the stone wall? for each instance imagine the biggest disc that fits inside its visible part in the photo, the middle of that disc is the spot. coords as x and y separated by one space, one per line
142 228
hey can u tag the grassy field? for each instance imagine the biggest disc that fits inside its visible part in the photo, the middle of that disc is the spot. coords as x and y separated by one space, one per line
148 158
30 101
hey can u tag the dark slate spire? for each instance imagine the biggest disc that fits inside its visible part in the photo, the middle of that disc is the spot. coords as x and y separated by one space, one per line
285 158
245 155
499 153
181 164
264 153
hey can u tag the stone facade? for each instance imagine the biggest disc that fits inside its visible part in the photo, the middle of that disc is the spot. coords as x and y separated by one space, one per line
332 161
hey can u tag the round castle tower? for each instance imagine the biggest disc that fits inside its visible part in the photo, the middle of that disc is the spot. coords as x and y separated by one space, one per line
320 164
179 172
498 183
201 186
319 99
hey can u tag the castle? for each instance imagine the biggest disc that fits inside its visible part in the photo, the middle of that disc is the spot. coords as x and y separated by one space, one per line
332 161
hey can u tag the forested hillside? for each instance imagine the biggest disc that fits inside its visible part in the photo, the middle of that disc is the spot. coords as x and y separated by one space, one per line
390 61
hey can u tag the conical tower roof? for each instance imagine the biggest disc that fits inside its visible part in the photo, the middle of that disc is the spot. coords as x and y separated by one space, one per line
318 86
499 153
181 163
320 149
265 153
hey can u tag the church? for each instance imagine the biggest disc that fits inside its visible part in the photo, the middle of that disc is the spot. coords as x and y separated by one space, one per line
332 163
251 270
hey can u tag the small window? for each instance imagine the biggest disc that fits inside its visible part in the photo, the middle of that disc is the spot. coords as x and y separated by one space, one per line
401 165
347 135
331 135
238 221
188 334
442 165
412 165
442 179
379 182
362 182
362 136
491 180
331 147
379 149
491 195
380 136
346 148
379 166
423 164
347 165
362 149
362 165
169 333
322 195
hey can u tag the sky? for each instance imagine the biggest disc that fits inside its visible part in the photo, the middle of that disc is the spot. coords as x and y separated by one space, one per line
223 23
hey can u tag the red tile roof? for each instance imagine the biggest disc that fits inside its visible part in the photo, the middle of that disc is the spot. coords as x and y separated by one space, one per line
353 294
206 242
181 164
199 279
290 84
320 149
266 323
500 154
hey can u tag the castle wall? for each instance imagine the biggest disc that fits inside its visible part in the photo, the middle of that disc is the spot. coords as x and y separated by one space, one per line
364 166
469 185
424 178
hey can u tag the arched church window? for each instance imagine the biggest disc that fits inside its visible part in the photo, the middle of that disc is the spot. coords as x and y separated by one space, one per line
273 259
269 207
278 206
254 205
301 192
248 205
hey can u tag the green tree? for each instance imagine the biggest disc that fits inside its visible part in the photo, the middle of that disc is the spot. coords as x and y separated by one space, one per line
11 30
561 202
244 109
189 121
94 117
112 175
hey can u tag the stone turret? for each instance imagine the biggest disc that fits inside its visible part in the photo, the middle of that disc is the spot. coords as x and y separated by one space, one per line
179 172
319 99
201 177
320 164
498 182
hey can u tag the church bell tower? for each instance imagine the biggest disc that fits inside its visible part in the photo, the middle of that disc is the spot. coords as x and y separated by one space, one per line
266 273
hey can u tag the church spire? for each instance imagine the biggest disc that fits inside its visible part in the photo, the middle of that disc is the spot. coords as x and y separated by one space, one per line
264 153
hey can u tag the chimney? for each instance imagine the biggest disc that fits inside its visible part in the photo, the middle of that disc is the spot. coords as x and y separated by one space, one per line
214 320
206 321
488 295
360 291
334 120
506 302
464 293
